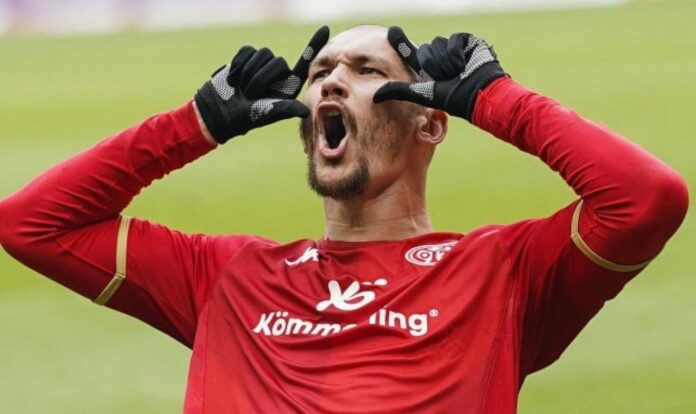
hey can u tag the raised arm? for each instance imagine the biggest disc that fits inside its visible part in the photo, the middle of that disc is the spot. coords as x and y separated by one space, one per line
631 202
67 223
566 265
571 263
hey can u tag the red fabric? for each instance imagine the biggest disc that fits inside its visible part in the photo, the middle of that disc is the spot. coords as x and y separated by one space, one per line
445 322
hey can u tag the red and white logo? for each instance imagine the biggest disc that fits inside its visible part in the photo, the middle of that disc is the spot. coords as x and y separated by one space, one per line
428 254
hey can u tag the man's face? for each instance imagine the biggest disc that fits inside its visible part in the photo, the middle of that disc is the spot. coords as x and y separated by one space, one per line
353 145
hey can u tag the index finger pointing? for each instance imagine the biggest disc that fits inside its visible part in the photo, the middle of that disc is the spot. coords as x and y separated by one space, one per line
404 47
320 38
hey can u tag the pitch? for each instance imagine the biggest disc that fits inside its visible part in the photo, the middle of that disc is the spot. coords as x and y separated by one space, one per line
630 67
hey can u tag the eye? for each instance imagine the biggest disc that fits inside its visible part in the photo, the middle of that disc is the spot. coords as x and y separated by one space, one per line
320 74
366 70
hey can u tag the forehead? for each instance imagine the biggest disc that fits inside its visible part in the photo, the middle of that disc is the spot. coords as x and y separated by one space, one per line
368 41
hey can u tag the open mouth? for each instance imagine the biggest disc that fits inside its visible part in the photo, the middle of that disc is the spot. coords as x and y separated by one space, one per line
334 128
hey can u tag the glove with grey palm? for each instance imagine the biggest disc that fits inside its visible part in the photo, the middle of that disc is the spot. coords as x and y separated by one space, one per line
453 71
255 89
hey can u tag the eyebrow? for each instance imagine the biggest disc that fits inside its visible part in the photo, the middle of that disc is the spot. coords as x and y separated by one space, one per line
359 59
370 59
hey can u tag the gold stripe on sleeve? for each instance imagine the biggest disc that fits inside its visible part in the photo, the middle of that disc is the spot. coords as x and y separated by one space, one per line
121 251
597 259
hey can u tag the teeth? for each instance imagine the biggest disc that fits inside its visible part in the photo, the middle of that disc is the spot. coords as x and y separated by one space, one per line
333 112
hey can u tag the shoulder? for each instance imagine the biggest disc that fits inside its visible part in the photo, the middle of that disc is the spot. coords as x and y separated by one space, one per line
518 232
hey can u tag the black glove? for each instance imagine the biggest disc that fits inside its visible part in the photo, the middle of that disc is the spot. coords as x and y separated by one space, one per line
256 89
453 70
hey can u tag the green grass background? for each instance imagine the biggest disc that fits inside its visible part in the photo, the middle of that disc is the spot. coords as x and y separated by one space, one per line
632 68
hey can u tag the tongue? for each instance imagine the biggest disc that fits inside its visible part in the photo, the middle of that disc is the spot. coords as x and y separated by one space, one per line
335 130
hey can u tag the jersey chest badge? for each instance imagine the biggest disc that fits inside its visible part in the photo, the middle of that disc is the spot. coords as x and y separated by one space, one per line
428 254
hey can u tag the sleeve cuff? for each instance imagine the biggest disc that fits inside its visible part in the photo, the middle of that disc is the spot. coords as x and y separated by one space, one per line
186 119
497 106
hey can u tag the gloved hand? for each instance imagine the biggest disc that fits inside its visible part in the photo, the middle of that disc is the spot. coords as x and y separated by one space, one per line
453 70
254 90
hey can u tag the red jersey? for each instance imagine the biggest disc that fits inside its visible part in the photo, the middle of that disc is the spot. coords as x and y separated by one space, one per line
441 323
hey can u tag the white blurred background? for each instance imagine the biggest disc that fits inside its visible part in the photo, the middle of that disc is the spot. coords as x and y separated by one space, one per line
95 16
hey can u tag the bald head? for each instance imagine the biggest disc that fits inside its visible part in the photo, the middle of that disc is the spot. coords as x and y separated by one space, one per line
366 27
369 41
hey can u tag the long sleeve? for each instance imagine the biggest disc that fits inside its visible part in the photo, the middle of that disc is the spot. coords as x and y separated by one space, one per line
570 263
65 224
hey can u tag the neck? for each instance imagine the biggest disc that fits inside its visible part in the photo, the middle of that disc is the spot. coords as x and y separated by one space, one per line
396 213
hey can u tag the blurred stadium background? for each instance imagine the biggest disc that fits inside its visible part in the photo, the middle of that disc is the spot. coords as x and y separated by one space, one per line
630 65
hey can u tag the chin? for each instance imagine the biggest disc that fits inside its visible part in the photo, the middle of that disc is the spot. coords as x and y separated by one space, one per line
338 178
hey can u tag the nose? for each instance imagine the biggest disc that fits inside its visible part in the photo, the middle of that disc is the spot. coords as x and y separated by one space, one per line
334 86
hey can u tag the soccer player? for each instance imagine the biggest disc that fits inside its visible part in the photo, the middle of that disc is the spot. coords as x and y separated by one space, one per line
381 313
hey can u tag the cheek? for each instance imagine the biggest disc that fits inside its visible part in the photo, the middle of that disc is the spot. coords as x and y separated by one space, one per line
367 111
311 96
367 88
367 91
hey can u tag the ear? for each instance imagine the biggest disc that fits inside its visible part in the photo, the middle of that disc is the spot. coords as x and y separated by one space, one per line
432 126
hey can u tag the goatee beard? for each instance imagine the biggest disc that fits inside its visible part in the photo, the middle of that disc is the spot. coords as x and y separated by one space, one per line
355 184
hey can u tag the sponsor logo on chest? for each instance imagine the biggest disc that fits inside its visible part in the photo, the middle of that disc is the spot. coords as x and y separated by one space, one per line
280 323
352 297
